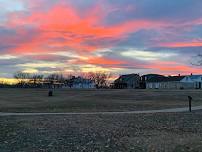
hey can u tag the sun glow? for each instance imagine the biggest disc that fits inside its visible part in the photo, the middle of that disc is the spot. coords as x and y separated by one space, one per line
8 81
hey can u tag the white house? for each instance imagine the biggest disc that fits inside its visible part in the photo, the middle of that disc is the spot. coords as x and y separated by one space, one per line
195 80
171 82
175 82
81 83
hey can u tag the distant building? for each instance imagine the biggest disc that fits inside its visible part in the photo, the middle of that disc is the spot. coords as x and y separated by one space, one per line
170 82
80 83
129 81
146 78
175 82
193 81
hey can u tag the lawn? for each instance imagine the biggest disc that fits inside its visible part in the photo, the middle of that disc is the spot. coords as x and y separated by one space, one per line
177 132
67 100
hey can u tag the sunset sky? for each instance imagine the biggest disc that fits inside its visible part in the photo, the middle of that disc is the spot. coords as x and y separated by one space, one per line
119 36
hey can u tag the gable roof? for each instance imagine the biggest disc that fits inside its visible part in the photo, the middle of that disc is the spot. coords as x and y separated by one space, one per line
125 78
153 75
194 76
166 79
147 77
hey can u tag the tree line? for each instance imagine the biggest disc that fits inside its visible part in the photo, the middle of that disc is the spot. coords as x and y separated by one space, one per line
100 79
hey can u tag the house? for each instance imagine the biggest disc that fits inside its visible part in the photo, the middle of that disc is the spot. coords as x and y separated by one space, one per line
80 83
170 82
193 81
175 82
147 77
129 81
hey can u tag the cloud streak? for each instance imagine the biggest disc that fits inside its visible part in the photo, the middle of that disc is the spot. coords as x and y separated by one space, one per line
139 35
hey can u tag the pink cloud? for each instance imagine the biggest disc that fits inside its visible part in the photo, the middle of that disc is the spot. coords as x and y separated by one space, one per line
193 43
167 67
76 30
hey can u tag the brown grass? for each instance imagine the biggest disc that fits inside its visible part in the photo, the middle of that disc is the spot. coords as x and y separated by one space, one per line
66 100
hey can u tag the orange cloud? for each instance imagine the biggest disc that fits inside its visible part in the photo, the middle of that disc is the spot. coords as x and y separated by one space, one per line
100 61
182 44
63 27
167 67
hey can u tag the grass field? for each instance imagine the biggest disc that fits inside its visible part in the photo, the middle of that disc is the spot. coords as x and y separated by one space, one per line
171 132
66 100
176 132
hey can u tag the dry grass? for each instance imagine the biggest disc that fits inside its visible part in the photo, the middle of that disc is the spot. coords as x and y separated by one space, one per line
171 132
65 100
176 132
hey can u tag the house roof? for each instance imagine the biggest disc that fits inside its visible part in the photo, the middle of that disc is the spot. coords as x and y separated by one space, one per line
153 75
194 76
147 77
125 78
166 79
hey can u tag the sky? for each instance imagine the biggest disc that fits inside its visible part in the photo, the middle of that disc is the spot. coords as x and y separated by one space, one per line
117 36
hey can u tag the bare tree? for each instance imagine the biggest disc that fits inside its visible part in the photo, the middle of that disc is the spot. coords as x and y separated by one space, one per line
100 79
69 80
56 77
197 60
36 79
22 78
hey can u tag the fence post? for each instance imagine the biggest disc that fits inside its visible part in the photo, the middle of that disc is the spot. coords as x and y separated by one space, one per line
50 93
190 99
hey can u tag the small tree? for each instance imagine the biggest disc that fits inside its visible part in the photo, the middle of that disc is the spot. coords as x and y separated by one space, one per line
36 79
69 80
197 60
55 78
22 78
100 78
